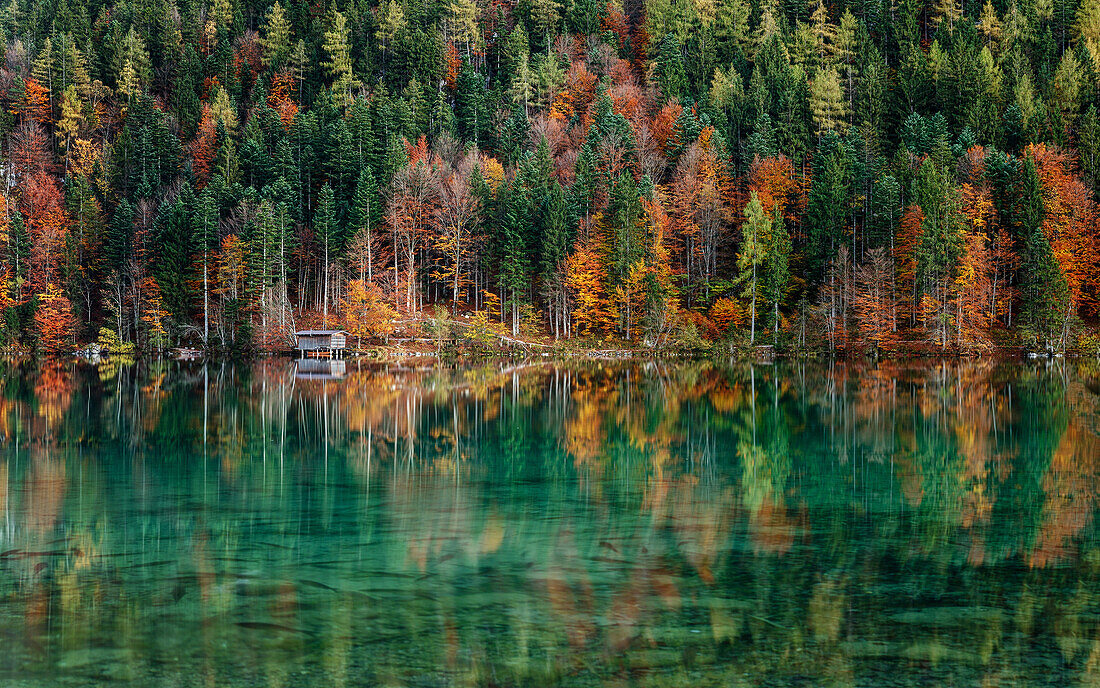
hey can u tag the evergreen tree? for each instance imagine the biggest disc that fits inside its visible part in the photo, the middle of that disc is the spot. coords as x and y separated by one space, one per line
205 233
775 271
276 39
366 212
327 230
1044 293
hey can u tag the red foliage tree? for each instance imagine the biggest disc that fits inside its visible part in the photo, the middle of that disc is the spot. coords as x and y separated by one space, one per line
47 222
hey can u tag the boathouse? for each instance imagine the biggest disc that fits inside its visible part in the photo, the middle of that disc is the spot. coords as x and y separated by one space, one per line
320 369
321 342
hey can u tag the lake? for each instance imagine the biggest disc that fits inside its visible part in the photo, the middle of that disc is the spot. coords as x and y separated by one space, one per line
649 524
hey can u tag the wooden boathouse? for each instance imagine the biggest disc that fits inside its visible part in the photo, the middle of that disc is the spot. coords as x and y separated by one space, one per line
321 343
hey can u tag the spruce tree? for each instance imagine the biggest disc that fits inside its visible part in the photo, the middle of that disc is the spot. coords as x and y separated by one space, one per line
1044 293
327 230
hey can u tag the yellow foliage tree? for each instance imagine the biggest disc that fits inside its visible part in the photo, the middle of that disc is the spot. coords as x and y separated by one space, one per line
366 314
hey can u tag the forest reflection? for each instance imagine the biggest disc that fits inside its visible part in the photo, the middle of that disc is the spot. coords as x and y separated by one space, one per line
509 524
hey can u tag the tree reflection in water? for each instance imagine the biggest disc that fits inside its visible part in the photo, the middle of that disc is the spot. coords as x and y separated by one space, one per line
633 523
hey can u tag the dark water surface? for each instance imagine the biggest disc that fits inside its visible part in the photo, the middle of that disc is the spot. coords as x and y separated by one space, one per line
625 524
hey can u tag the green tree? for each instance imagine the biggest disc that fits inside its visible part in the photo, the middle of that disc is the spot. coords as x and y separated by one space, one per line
366 212
327 230
775 272
338 64
276 38
755 238
1044 293
205 231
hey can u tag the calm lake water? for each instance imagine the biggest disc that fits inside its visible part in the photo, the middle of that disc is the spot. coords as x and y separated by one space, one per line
618 524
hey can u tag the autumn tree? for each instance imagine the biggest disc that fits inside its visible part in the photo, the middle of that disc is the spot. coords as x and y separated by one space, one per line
874 303
973 289
411 206
54 321
457 218
365 312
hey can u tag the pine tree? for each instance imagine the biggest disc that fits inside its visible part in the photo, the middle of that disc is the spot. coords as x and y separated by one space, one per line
328 231
366 212
173 245
133 65
205 232
939 246
391 20
775 272
828 104
338 65
276 39
1088 145
515 263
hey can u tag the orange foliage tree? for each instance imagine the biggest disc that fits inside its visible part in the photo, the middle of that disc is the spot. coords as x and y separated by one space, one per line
775 183
875 304
54 320
586 279
204 148
727 313
664 125
1069 221
411 209
281 98
48 224
36 102
701 207
366 314
973 286
30 150
456 219
153 313
453 66
575 97
905 256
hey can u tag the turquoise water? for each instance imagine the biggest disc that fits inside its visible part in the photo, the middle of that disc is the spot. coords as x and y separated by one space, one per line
531 525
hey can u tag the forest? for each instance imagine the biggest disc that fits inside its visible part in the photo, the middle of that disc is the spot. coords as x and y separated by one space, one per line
864 175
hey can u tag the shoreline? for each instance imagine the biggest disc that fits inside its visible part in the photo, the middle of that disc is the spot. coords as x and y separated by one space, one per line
759 354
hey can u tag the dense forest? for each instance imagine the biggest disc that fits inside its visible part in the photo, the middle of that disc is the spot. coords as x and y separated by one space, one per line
855 175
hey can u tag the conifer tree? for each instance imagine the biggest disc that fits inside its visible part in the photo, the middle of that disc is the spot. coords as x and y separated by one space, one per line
775 273
327 230
205 232
338 65
1044 292
366 211
276 39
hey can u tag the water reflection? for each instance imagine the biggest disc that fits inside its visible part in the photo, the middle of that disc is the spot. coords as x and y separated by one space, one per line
638 524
